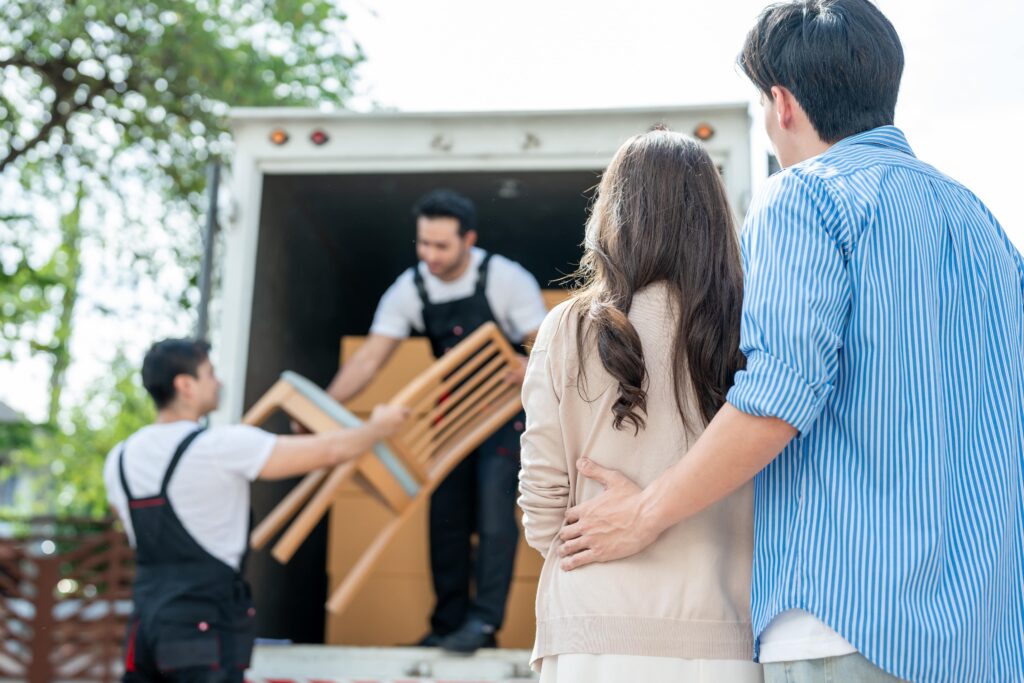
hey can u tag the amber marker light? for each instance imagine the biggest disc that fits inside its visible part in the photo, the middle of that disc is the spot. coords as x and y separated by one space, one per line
278 136
318 137
704 132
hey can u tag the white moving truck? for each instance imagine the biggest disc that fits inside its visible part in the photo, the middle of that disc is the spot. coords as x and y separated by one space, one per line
321 224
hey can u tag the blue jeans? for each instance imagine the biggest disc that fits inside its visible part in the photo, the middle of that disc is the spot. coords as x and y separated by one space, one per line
852 668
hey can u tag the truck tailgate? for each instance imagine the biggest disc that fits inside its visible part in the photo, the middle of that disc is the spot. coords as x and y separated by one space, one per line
339 664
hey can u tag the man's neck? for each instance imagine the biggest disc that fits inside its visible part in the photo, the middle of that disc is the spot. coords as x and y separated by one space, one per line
177 414
808 149
459 270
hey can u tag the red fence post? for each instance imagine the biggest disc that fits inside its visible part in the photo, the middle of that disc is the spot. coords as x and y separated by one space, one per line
40 669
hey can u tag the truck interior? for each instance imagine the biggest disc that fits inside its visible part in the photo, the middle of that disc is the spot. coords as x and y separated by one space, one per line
329 245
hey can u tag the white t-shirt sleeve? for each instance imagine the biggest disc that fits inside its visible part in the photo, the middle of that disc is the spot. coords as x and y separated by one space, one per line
240 449
399 311
516 297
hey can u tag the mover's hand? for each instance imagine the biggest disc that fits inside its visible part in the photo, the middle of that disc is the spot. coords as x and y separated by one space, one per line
387 420
608 527
517 374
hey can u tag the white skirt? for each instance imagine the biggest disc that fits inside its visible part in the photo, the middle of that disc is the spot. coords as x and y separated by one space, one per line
579 668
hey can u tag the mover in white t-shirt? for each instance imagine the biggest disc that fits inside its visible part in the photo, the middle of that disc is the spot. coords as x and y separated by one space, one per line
182 493
454 289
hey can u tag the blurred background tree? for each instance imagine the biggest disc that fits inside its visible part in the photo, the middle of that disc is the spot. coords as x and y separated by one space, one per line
110 112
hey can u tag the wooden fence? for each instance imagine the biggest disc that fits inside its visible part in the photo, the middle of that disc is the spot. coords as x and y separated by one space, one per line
65 596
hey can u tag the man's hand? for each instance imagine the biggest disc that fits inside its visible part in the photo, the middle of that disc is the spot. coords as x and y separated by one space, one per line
608 527
624 520
517 374
387 420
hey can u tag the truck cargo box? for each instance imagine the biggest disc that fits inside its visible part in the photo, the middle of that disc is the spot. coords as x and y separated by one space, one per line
321 225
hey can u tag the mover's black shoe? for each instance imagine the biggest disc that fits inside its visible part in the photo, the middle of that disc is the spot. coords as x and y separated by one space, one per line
429 640
469 638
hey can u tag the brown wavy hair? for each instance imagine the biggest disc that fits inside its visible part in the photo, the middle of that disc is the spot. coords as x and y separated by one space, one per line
661 215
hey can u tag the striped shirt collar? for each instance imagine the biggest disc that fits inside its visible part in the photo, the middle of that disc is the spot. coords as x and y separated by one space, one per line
889 137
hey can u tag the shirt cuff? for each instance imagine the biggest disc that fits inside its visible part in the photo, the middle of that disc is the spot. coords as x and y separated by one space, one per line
770 388
393 330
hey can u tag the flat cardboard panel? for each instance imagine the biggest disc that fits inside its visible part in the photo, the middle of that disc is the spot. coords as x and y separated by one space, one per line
355 520
390 610
553 297
395 604
395 610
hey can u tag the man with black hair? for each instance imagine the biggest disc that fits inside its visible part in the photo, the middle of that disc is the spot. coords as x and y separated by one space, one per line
881 405
182 493
454 289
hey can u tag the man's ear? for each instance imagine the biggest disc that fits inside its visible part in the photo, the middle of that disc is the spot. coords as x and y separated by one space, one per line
183 385
470 238
785 106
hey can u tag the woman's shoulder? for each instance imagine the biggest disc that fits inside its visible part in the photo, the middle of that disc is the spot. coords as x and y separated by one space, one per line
559 327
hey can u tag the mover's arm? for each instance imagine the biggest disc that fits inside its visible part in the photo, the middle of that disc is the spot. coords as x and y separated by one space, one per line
295 455
361 368
518 375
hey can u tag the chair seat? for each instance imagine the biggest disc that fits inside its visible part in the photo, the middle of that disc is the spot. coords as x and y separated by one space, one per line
343 417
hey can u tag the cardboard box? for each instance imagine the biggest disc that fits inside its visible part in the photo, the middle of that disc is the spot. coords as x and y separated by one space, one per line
391 610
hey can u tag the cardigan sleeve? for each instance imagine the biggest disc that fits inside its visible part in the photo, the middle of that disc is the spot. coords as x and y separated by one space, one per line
544 478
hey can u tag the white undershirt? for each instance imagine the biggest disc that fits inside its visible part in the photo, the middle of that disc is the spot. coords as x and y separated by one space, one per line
796 635
210 488
512 292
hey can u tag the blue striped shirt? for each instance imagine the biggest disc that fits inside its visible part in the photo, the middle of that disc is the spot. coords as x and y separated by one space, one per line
883 318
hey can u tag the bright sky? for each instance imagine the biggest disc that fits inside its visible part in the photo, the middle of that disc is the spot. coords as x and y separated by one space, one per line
961 105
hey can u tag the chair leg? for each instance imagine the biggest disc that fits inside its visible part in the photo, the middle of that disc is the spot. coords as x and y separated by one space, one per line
360 573
317 507
286 509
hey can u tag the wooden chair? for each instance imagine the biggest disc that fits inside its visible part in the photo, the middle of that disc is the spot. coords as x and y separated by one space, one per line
459 401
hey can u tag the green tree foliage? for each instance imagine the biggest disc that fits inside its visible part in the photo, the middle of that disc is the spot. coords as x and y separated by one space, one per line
155 78
110 112
65 462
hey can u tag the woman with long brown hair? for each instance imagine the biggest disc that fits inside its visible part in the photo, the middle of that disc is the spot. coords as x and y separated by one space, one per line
628 373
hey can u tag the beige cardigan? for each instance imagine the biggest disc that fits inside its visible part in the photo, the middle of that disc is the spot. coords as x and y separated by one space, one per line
688 594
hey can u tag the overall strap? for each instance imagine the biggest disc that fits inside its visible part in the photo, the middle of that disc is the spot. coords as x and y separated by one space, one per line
421 287
120 471
481 280
182 447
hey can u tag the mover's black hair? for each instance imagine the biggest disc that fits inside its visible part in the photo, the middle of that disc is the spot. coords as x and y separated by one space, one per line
167 359
448 204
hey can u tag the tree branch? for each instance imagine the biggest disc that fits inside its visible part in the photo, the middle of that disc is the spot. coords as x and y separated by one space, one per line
18 61
53 71
56 119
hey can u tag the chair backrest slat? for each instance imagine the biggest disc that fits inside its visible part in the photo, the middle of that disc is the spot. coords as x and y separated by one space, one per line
494 388
454 394
450 363
460 399
430 398
473 401
449 450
